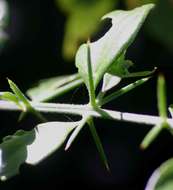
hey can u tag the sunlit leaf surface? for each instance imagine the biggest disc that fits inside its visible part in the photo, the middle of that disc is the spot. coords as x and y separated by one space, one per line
48 88
125 25
31 146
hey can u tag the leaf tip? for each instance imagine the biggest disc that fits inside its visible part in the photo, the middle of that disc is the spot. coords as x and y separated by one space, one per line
142 146
67 146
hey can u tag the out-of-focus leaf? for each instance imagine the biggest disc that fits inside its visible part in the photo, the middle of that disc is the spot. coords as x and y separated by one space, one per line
160 25
162 108
125 25
151 135
48 88
162 178
3 20
136 3
82 21
13 152
31 146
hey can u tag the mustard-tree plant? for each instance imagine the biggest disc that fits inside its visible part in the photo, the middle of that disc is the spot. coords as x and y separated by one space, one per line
103 61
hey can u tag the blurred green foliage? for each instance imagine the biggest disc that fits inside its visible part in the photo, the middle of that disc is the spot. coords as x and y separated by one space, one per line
160 24
135 3
83 17
83 20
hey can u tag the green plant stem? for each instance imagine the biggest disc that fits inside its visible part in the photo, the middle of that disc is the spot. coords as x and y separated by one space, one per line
88 110
98 143
122 91
161 97
91 79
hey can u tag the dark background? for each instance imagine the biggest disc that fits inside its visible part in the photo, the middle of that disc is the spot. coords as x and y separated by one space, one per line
33 52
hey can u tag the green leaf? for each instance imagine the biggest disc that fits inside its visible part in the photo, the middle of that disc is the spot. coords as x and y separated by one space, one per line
13 98
125 25
18 93
24 100
56 86
76 132
109 81
79 14
171 110
151 135
49 137
120 67
13 152
31 146
98 143
118 71
162 178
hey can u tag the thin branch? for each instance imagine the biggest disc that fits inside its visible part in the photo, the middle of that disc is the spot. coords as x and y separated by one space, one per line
88 110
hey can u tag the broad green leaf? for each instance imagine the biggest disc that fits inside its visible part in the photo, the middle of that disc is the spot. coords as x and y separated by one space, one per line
125 25
151 135
162 178
31 146
82 21
171 110
13 152
48 88
48 138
